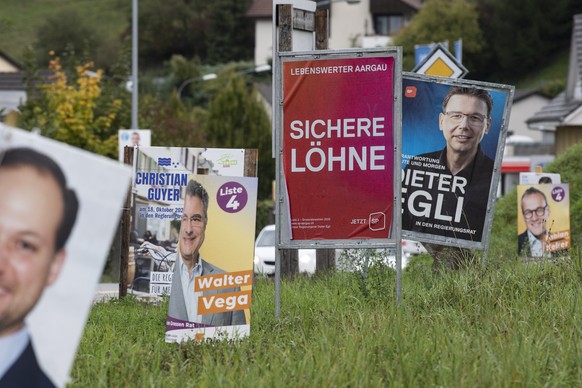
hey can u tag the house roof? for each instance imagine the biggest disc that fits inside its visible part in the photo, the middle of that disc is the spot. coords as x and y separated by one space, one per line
264 8
261 8
12 81
521 94
554 114
9 60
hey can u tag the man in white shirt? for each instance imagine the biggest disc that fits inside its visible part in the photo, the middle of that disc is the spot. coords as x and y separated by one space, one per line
535 212
183 303
37 215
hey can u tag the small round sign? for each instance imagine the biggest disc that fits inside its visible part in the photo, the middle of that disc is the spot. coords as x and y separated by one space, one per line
232 197
558 194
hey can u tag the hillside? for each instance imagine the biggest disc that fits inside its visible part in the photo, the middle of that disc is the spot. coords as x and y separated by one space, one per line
20 20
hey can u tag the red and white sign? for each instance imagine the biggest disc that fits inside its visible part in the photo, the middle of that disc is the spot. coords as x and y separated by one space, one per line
338 147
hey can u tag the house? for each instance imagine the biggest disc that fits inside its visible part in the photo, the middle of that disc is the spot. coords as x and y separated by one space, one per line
561 119
12 87
364 23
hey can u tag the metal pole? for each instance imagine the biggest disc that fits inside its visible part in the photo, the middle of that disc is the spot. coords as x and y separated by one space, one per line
134 88
277 283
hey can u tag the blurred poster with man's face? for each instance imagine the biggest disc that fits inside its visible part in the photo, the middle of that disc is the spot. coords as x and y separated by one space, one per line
133 138
59 209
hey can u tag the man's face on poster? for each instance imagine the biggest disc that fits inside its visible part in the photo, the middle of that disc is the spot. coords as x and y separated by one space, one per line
464 123
535 211
135 139
31 210
192 228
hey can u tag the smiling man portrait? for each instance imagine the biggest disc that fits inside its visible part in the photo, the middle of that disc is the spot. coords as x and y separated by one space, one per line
37 214
189 265
446 192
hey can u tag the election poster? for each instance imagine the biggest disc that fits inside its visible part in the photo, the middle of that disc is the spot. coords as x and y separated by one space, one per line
132 138
197 238
59 209
340 119
216 302
543 221
453 135
534 178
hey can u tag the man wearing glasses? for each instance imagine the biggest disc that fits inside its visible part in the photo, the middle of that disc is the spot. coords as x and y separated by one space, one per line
183 304
535 212
446 192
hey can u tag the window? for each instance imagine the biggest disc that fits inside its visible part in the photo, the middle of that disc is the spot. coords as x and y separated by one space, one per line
388 24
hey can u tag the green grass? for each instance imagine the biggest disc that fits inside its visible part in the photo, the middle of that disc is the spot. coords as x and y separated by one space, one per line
509 324
505 324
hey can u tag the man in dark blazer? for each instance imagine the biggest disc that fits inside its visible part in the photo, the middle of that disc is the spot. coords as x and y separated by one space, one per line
446 192
37 214
183 304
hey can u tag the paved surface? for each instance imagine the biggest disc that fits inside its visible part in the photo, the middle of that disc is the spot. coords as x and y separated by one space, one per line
106 291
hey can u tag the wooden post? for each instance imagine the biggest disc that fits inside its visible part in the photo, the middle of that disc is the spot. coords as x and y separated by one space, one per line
289 257
321 28
125 228
285 15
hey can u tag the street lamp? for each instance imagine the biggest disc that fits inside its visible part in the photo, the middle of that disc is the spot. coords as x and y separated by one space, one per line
208 77
205 77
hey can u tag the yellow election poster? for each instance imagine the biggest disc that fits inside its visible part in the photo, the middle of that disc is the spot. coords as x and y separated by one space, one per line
543 220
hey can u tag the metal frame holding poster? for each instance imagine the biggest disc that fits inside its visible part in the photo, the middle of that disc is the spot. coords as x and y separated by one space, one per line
543 220
59 210
170 185
339 144
451 158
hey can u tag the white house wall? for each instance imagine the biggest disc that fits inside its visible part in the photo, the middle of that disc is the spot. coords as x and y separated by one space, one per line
263 41
6 67
521 111
10 100
349 24
574 118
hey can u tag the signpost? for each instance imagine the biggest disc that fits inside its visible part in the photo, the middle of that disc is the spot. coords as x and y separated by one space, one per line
338 127
440 62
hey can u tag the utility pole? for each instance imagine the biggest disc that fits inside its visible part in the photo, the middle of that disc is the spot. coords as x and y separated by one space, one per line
134 86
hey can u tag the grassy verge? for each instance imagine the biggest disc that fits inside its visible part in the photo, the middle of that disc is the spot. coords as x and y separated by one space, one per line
510 324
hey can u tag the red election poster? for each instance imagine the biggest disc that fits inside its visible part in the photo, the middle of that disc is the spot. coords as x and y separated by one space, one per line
338 147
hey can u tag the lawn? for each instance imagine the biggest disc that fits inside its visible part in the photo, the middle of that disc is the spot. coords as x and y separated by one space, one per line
506 324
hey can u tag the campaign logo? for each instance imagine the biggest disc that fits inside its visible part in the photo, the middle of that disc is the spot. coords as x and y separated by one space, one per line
410 92
232 197
377 221
167 162
227 161
558 194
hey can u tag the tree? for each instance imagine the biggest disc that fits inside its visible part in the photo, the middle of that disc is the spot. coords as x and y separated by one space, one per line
237 119
72 109
440 20
64 32
520 35
172 124
171 27
230 32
